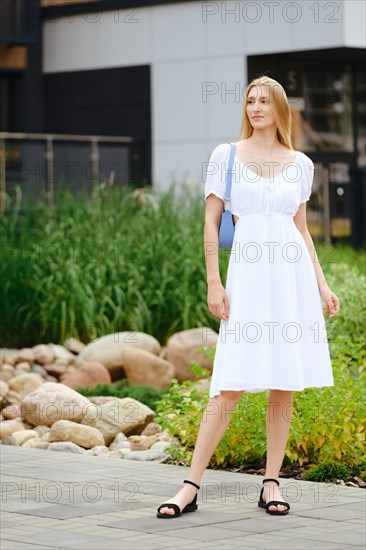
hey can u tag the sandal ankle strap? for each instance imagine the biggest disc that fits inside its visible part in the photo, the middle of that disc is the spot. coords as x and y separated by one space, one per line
192 483
271 479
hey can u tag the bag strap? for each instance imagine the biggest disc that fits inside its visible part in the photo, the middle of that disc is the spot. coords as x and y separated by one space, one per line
229 175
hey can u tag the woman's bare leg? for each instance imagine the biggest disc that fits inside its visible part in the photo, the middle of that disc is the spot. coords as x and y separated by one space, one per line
214 422
278 420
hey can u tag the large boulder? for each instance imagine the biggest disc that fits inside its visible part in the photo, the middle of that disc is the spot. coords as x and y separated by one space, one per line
183 348
90 373
109 350
125 415
52 402
145 368
84 436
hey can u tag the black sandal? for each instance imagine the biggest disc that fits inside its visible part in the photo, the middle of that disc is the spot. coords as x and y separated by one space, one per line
191 507
262 504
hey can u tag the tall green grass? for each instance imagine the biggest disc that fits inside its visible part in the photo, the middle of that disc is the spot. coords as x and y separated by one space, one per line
88 268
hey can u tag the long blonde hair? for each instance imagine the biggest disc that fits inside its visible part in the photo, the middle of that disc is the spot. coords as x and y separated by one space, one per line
280 108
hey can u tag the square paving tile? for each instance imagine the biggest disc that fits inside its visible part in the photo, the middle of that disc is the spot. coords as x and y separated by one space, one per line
324 516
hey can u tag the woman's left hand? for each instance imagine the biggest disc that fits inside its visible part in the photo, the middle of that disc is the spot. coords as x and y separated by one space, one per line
331 306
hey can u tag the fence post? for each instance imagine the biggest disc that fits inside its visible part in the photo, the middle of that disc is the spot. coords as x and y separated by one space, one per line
326 199
50 173
94 163
2 176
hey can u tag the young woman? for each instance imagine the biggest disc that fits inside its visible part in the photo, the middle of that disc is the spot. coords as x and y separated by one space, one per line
272 332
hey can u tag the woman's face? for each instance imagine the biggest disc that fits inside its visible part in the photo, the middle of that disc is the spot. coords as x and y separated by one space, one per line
259 108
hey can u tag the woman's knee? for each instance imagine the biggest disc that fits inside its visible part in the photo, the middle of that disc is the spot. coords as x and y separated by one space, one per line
231 395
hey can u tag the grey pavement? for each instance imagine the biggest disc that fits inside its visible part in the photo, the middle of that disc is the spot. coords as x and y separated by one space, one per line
60 500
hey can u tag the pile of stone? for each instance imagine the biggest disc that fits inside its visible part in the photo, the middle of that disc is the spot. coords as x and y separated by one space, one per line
56 417
40 407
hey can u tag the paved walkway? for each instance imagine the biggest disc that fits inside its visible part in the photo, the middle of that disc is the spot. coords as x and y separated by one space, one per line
58 500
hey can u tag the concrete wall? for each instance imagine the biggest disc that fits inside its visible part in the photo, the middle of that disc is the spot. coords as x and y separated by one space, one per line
197 52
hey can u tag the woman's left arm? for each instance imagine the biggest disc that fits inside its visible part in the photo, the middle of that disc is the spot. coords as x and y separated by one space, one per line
331 306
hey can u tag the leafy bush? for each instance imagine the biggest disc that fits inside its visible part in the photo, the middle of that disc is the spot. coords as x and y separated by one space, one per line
349 285
145 394
327 422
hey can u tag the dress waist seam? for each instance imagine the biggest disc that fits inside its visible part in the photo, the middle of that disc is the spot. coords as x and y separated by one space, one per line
281 214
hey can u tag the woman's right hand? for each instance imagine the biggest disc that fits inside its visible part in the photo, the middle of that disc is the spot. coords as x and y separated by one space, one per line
217 301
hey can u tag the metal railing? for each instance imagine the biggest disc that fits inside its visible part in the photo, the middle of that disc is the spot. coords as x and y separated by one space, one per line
48 141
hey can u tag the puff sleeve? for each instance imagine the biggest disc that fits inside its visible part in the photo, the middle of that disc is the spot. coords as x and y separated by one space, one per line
307 178
216 171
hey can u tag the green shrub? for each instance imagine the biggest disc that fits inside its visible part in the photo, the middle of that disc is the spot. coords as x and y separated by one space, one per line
145 394
327 423
349 285
328 471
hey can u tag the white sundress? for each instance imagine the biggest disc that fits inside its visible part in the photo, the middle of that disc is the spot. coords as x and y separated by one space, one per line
275 337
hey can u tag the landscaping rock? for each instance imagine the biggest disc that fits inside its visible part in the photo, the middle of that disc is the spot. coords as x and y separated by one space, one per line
151 429
41 430
121 415
7 372
202 385
141 443
35 444
14 397
66 447
25 354
146 455
62 355
55 369
183 348
109 350
8 427
84 436
23 366
10 440
74 345
25 383
23 435
11 412
119 442
160 446
43 354
147 369
52 402
38 369
90 373
4 388
100 400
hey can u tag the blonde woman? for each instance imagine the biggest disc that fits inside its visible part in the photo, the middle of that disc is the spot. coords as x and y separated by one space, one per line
272 331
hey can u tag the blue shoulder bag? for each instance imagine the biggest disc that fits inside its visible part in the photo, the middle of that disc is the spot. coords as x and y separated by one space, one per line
227 226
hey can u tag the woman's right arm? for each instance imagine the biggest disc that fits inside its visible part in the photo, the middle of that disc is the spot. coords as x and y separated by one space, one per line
214 195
